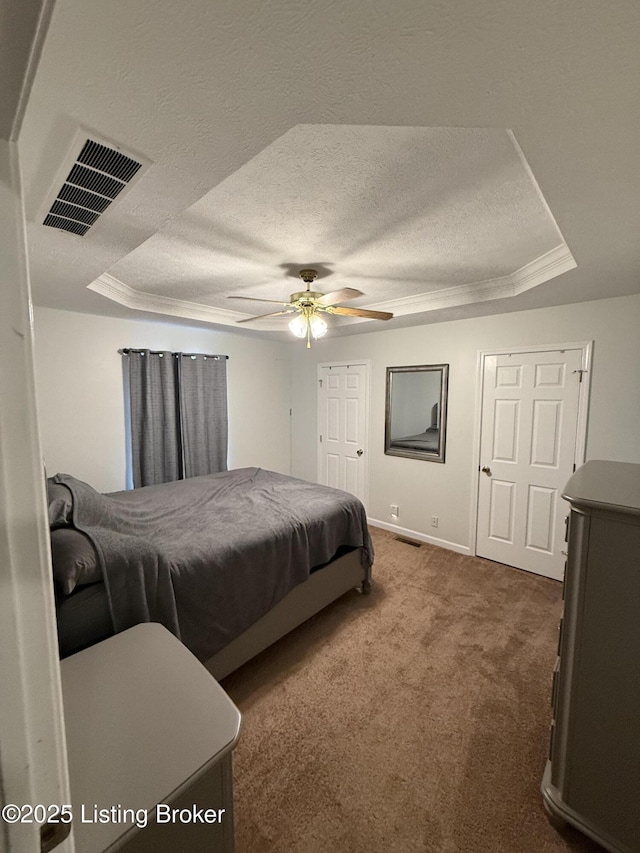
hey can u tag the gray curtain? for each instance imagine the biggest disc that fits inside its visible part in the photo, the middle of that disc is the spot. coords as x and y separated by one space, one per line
202 383
177 415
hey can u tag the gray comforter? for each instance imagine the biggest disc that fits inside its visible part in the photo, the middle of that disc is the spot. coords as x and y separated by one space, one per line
208 556
428 440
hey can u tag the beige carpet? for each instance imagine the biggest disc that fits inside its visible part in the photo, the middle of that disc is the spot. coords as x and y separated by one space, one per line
414 719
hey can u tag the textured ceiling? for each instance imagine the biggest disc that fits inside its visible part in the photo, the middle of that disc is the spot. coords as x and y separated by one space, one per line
393 212
348 136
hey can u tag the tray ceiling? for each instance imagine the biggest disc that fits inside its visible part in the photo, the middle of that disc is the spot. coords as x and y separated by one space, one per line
445 161
412 217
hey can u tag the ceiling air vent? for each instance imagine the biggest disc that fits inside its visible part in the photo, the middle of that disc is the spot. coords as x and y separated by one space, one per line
97 177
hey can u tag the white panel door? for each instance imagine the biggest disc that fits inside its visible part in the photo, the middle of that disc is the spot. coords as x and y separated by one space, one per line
342 404
527 453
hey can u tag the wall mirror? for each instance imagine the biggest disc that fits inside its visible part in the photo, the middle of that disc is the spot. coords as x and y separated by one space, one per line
416 411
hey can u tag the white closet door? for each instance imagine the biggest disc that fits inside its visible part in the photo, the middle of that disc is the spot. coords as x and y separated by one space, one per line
527 453
343 429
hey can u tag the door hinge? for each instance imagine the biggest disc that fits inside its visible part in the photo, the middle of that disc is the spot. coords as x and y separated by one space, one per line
320 381
320 439
574 466
580 372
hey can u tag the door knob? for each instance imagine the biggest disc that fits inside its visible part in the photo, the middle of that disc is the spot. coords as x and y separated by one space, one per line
359 452
486 470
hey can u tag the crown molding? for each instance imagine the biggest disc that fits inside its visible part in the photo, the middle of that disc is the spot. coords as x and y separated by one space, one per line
116 290
544 268
547 266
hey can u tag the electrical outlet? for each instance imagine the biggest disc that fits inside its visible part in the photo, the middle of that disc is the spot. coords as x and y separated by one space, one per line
434 520
395 510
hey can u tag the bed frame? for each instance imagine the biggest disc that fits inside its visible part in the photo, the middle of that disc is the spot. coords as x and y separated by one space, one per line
301 603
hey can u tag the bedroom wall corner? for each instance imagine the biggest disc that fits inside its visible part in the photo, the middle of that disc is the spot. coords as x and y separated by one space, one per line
81 400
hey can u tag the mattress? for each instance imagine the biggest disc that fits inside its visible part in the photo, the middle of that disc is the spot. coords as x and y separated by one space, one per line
83 618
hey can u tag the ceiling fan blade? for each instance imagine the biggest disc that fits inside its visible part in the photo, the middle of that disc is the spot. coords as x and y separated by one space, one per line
255 299
361 312
262 316
339 296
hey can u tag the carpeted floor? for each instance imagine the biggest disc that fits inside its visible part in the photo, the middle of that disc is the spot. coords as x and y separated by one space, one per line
413 719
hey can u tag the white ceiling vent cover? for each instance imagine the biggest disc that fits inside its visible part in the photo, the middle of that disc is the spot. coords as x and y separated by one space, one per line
97 177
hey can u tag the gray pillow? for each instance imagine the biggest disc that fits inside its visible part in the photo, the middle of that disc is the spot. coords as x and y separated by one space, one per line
74 559
60 502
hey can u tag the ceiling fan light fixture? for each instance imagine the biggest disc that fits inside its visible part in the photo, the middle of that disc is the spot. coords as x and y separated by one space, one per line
298 326
310 304
318 326
308 324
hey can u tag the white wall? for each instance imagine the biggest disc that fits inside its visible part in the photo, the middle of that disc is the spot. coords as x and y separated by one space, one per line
423 489
80 398
81 402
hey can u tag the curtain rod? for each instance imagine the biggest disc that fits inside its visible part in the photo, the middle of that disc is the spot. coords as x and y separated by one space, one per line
127 350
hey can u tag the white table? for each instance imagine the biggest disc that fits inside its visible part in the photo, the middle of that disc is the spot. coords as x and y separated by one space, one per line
146 725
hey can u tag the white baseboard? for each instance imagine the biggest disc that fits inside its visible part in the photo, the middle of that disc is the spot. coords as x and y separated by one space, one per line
421 537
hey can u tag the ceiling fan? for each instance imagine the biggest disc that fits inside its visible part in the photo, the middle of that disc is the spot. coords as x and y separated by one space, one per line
308 305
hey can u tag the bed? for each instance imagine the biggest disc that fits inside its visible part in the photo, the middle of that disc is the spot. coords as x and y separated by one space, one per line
427 440
228 562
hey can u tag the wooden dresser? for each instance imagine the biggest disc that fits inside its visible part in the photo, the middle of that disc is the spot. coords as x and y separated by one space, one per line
592 778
